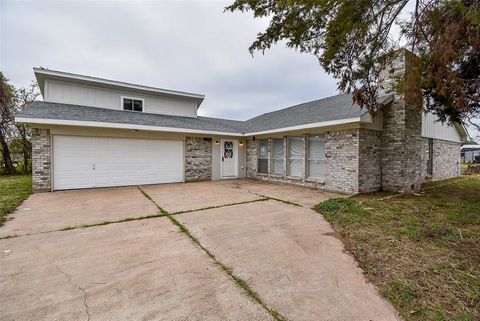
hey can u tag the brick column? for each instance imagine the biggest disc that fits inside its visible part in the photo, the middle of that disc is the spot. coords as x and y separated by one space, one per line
41 160
198 159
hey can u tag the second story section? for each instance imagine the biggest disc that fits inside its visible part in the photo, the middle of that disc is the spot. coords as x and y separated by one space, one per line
68 88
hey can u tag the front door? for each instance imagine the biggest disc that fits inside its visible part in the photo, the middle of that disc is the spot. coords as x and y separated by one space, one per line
229 158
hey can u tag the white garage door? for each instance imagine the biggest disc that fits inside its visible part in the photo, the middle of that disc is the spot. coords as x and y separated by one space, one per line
85 162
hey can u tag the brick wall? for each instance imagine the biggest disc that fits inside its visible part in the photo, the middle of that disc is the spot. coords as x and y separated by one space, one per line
198 159
251 158
446 159
41 160
402 126
341 149
370 161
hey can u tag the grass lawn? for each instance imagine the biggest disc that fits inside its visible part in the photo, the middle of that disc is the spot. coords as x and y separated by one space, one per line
422 252
13 190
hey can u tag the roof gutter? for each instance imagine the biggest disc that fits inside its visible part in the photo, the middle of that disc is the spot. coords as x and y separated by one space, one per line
46 121
307 126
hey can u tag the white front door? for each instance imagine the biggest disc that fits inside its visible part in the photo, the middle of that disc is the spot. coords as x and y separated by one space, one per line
229 158
86 162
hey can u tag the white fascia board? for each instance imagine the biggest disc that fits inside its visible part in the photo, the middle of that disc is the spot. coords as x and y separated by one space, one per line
307 126
116 83
43 121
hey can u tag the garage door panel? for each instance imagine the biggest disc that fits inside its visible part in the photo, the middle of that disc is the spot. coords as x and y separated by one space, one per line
83 162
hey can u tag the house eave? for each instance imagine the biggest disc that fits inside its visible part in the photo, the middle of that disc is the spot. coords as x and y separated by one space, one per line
307 126
64 122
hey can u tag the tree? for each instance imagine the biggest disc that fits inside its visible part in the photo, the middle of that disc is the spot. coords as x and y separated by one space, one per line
7 103
23 132
354 42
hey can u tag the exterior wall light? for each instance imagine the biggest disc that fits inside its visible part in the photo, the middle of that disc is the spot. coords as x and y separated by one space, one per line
241 143
216 142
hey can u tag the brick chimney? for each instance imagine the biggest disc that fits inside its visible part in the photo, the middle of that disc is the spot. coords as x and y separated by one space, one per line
402 128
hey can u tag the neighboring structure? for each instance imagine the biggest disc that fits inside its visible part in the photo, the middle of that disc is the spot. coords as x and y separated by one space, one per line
469 153
90 132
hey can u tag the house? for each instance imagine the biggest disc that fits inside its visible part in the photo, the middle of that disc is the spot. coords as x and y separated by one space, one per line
90 132
469 153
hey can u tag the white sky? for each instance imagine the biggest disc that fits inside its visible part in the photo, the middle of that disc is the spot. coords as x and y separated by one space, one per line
189 46
181 45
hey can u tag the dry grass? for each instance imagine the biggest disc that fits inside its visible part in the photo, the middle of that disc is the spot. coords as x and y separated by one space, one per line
423 252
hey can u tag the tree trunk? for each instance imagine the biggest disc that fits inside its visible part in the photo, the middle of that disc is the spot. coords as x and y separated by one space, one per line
25 161
9 169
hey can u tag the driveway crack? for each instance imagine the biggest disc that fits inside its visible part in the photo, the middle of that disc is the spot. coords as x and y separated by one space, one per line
70 280
240 283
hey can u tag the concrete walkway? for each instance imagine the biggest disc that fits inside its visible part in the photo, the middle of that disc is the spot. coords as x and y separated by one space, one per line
261 259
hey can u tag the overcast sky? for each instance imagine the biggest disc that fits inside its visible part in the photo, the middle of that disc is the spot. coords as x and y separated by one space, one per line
182 45
188 46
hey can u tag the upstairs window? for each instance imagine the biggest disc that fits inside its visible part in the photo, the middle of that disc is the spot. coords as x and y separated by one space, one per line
132 104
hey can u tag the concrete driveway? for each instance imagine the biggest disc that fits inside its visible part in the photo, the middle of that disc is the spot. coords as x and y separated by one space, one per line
234 250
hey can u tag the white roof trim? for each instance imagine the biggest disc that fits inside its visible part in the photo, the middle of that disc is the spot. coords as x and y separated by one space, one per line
68 75
307 126
44 121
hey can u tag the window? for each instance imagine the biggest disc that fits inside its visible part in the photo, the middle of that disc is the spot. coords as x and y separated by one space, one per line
278 153
295 156
132 104
262 156
316 156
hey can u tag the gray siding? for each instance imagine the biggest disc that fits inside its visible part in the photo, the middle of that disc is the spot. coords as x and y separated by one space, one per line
76 94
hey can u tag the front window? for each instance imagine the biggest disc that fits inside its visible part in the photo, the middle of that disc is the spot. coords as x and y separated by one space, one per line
316 156
262 156
296 152
278 153
132 104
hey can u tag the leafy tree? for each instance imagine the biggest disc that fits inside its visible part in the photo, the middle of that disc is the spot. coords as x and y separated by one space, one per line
354 42
15 139
7 103
23 132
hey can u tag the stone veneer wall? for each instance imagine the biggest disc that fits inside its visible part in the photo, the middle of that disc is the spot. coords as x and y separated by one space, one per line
341 150
251 158
198 159
402 129
370 161
424 159
41 160
446 159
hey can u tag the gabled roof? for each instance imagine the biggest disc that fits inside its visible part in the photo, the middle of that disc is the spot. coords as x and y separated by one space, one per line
328 111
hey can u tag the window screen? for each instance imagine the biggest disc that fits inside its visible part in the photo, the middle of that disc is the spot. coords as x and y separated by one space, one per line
278 153
262 156
316 156
295 156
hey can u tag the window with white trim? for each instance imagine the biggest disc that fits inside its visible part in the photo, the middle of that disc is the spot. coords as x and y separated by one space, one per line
132 104
316 159
296 151
278 154
262 156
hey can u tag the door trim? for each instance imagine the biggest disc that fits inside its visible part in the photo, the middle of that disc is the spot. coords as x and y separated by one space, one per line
235 158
